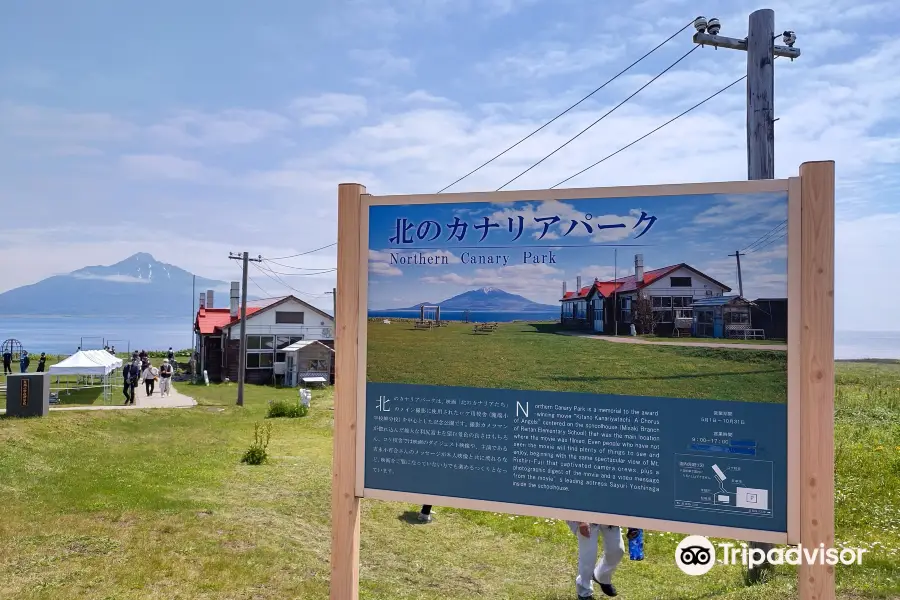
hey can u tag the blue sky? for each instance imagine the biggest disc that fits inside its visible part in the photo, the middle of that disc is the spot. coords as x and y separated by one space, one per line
698 230
189 130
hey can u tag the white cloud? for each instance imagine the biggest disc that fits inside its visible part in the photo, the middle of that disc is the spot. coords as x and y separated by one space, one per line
326 110
228 127
160 166
115 278
540 283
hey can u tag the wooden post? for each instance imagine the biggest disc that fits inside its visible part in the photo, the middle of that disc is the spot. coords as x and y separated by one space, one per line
344 503
761 95
816 582
760 143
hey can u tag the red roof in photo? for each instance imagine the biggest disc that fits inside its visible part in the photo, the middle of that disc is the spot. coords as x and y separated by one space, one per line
211 319
629 284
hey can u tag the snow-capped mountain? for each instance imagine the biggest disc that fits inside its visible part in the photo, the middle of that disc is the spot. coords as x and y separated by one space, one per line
138 285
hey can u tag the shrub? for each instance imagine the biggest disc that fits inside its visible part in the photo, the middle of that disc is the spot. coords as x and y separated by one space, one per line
283 408
256 454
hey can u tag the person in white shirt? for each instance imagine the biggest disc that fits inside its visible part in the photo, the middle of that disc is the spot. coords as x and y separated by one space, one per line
149 376
165 378
589 571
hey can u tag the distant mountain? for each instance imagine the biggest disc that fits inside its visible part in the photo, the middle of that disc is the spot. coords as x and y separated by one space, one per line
138 285
489 299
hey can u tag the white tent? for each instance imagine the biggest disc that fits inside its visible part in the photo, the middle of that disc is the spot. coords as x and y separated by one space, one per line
87 362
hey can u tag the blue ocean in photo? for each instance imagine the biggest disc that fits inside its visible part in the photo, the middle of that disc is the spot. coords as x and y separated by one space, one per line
475 316
63 335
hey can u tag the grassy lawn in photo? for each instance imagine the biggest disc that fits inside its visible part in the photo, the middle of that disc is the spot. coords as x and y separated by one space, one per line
155 504
532 357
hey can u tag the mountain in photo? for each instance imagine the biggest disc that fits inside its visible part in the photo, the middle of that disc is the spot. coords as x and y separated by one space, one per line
138 286
489 299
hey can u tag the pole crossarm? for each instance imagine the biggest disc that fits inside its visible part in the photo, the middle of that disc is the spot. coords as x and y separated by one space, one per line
720 41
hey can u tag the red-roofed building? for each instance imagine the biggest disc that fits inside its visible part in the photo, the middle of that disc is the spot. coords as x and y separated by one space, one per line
607 306
271 325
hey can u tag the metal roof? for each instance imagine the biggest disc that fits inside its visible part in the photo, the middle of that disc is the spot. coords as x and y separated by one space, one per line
718 301
300 345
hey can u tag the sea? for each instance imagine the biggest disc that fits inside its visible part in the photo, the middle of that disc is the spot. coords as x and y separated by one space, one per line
63 335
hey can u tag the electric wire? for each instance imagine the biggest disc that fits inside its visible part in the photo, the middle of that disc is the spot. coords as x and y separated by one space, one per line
649 133
304 253
609 112
566 111
761 239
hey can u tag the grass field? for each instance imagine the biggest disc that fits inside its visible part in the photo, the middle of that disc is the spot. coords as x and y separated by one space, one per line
155 505
532 357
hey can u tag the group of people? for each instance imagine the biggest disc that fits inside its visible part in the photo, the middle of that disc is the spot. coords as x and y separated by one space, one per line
141 370
24 362
590 571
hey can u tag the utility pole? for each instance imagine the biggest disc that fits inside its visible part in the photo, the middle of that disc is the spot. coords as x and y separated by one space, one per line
737 254
761 53
242 357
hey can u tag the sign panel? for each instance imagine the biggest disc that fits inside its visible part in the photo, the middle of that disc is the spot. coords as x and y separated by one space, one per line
576 353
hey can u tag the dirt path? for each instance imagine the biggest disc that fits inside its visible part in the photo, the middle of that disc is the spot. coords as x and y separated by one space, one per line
174 400
631 340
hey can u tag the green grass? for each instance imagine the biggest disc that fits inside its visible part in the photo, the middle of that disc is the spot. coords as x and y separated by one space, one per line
155 505
532 357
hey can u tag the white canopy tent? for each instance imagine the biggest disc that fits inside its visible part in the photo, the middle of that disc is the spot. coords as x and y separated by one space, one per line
88 363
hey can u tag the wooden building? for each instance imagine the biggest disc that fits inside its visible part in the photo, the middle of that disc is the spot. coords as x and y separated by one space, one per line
608 306
272 325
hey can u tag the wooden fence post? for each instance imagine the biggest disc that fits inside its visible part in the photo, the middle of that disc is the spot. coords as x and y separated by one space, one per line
816 582
344 503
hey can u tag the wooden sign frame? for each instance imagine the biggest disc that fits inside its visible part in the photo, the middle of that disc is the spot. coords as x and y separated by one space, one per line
810 407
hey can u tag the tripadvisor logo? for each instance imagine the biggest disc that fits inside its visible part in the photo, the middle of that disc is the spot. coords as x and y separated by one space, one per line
696 555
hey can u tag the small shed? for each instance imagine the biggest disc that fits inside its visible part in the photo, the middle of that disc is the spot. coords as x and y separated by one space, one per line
304 359
722 317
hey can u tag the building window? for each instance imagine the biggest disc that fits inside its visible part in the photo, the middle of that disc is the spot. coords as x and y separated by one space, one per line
283 341
289 317
705 316
260 351
680 282
737 317
317 364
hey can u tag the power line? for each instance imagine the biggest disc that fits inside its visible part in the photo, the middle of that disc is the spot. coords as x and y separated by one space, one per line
267 260
274 277
609 112
303 253
319 272
769 243
649 133
765 236
606 83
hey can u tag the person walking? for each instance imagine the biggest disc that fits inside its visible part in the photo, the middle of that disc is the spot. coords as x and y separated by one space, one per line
165 378
42 362
149 374
24 361
131 373
589 570
7 363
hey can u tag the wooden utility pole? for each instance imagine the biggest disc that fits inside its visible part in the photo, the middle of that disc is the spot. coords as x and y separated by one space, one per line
737 254
761 52
242 357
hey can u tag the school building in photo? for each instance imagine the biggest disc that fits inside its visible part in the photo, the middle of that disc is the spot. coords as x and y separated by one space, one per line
278 333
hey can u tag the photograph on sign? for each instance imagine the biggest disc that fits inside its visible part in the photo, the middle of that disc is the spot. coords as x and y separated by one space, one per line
620 356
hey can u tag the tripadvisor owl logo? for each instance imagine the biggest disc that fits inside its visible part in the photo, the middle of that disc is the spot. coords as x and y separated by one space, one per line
696 555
